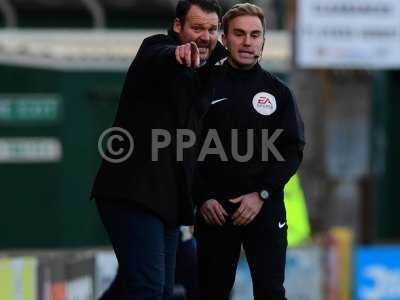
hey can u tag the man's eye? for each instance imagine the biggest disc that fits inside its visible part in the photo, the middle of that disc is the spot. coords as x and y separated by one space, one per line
197 29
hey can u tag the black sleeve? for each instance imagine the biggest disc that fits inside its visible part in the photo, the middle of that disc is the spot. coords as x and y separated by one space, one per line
158 50
290 144
156 53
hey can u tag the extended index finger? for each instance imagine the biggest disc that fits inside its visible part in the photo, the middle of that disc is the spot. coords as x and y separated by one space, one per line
188 55
195 54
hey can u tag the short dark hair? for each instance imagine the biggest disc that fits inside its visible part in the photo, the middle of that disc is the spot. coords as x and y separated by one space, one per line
184 6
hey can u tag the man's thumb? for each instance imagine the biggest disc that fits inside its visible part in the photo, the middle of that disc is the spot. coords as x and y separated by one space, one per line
236 200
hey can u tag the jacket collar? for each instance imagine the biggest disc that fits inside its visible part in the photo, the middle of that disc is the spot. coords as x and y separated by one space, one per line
172 34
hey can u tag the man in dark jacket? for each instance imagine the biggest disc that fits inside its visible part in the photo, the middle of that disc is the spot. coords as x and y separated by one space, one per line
142 201
252 143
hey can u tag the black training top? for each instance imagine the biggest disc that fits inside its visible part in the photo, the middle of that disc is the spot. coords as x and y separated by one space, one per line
245 106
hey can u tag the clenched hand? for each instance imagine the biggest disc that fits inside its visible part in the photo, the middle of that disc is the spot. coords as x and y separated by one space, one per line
250 206
213 212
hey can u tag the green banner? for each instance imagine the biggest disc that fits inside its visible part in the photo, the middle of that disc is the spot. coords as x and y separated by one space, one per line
30 108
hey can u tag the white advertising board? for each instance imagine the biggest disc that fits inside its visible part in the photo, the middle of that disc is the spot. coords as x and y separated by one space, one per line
30 150
348 34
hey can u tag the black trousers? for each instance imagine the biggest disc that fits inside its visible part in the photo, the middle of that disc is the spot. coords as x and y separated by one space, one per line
264 241
146 251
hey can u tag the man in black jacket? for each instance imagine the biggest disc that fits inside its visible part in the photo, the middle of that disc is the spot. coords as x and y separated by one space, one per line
142 201
252 143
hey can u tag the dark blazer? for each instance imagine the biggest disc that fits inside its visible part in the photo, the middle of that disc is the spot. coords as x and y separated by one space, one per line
154 97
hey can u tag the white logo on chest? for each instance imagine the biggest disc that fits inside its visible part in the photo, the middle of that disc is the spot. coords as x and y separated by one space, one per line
264 103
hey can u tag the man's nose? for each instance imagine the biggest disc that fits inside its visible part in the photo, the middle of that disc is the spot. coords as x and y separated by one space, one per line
205 36
247 40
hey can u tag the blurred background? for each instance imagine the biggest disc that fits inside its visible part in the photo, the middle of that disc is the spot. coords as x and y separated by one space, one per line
62 66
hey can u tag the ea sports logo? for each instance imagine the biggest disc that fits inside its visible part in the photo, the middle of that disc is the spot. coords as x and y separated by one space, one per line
264 103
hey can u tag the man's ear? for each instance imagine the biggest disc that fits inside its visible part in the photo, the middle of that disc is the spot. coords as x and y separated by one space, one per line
262 48
177 27
223 38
